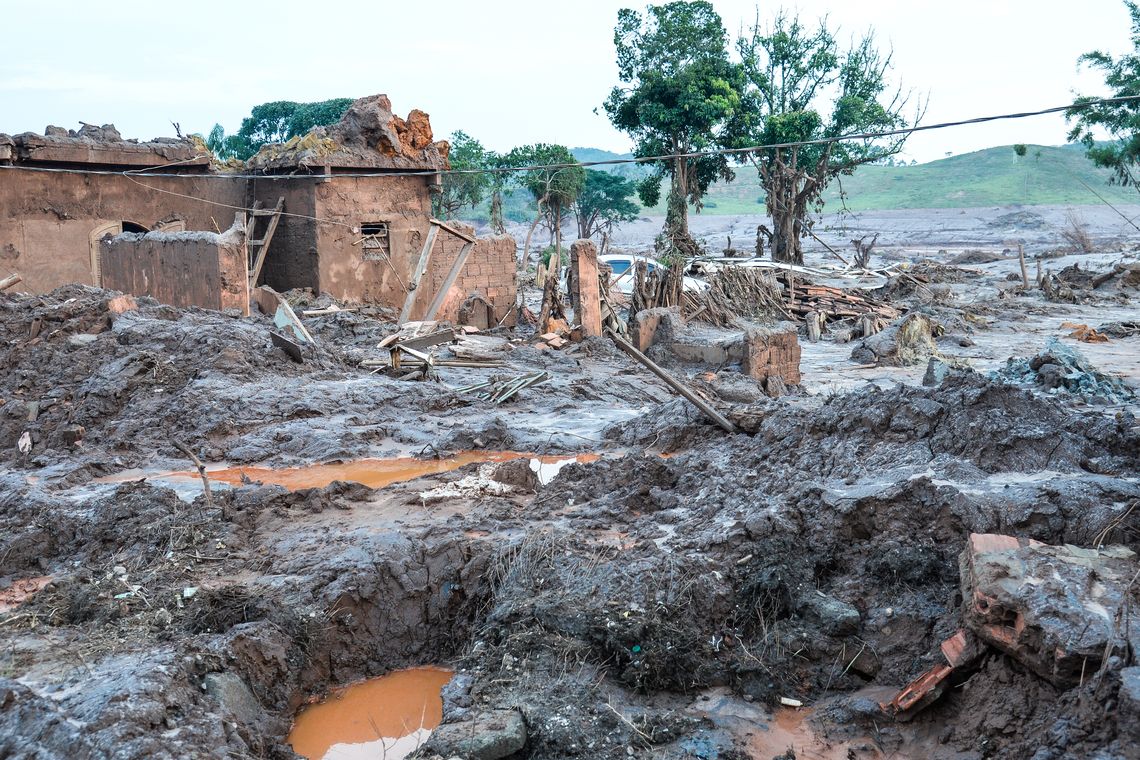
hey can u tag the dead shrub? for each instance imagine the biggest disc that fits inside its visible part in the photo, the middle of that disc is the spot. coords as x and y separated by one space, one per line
1076 233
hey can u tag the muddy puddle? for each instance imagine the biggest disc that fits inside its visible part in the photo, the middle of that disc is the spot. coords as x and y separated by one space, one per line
765 734
374 473
387 717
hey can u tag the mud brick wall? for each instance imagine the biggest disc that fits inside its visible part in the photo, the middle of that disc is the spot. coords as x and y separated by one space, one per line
344 204
489 272
180 268
51 224
772 352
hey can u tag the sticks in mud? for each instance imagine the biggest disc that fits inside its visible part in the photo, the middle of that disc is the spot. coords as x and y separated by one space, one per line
201 472
501 391
672 382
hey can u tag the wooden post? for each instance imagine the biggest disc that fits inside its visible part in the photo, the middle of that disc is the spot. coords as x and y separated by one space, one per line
421 267
669 380
813 327
1021 260
448 281
586 295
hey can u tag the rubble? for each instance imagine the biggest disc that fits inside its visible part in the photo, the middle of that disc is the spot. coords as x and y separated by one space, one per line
1059 610
1061 368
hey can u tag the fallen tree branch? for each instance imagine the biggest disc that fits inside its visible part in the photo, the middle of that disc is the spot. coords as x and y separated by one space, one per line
201 473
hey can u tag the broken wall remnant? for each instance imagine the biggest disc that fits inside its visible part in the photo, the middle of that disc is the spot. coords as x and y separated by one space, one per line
1059 610
489 274
772 356
203 269
585 291
645 325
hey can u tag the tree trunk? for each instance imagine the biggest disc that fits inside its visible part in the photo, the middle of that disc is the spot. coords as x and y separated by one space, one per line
529 234
551 291
497 212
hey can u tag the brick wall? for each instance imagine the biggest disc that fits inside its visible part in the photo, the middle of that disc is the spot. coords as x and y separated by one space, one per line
489 272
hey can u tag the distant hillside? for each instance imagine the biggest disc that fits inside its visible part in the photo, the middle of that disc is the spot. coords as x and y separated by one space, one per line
630 171
990 177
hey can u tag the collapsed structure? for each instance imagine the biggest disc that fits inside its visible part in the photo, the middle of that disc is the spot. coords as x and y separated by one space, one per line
347 210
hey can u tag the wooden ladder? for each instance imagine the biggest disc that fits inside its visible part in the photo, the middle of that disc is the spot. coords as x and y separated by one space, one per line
259 246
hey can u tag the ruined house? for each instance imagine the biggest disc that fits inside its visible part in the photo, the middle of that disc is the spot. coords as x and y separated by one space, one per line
356 218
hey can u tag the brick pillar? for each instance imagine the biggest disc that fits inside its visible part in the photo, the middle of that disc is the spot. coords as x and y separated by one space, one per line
587 298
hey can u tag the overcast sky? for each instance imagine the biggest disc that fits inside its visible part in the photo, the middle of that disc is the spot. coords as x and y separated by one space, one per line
508 73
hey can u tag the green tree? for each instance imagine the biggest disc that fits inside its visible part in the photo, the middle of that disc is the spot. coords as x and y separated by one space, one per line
1120 122
603 204
1020 150
802 87
553 185
462 190
274 122
679 94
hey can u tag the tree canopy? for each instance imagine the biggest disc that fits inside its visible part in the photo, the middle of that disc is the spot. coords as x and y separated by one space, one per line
274 122
802 87
679 93
604 203
1120 122
463 190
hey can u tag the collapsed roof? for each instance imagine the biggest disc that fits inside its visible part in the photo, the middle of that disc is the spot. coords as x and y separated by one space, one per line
368 137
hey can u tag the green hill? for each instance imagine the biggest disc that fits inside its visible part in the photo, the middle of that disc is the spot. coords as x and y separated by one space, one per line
990 177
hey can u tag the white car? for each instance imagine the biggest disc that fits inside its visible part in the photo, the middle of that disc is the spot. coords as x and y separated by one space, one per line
622 265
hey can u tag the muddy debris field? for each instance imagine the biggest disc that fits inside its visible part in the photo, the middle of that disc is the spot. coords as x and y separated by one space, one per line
919 543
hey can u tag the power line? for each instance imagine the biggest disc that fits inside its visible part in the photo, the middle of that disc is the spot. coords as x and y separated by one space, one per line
604 162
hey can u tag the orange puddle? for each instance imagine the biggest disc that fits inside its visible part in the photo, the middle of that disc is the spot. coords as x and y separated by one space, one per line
16 594
387 717
377 473
788 728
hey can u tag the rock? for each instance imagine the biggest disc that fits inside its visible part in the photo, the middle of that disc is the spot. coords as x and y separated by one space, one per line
233 696
488 736
1130 700
936 370
835 618
1055 609
81 339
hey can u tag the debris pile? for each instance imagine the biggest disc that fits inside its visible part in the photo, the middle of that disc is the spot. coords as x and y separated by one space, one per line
1061 368
369 135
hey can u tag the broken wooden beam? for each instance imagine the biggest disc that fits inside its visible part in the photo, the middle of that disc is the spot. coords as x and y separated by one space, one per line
10 280
672 382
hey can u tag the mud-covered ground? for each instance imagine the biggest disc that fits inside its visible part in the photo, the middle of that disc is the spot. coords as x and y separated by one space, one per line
657 602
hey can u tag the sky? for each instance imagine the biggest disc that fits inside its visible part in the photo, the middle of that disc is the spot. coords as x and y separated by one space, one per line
512 72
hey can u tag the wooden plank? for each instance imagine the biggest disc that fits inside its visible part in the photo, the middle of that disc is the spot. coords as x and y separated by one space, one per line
10 280
453 231
452 275
672 382
421 267
263 244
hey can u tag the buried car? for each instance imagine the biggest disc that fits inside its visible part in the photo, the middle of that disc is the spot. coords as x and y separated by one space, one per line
622 265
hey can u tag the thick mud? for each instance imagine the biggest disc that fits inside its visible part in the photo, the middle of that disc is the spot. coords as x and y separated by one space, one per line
667 601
